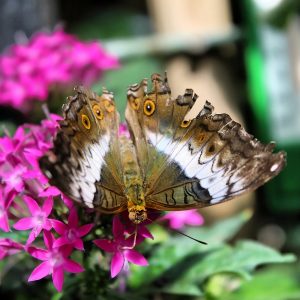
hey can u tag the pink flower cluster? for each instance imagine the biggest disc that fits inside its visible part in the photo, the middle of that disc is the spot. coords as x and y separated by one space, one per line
29 71
28 202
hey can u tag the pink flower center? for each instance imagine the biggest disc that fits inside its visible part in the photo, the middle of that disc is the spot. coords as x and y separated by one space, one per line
71 235
56 259
39 219
14 179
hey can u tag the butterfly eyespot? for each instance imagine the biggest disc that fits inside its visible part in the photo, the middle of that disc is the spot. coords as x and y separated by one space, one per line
185 123
86 121
149 107
135 103
98 112
109 106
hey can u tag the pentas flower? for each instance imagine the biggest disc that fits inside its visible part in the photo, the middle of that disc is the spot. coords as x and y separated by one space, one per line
29 71
14 179
19 155
38 220
55 262
9 247
179 219
71 233
8 145
122 248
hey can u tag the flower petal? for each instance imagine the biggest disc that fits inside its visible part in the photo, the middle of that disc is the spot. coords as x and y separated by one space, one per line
118 227
23 224
78 244
33 235
47 225
38 253
4 224
40 271
73 218
117 263
58 278
50 191
106 245
135 257
66 250
32 205
144 232
72 266
67 201
61 241
59 226
48 239
47 206
3 254
85 229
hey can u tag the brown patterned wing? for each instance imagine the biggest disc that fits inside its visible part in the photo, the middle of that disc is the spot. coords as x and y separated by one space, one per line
193 163
85 161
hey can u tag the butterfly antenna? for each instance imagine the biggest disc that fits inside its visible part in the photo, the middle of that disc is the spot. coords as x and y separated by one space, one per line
184 234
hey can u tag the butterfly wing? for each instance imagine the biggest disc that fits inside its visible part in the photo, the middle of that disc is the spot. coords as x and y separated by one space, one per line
85 161
198 162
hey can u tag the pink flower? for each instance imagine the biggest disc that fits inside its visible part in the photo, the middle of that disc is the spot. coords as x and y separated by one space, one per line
38 219
179 219
55 262
8 145
14 178
9 247
121 247
71 233
5 202
19 155
29 71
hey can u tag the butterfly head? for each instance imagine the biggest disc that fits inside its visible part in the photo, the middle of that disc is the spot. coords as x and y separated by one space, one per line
137 214
137 211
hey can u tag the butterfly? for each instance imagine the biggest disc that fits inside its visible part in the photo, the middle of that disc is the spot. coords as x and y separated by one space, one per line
178 156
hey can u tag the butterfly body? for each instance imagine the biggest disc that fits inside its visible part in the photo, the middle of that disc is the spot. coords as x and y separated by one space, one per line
170 162
133 182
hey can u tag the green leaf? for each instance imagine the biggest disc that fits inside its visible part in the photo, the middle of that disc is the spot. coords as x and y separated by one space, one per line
276 283
240 260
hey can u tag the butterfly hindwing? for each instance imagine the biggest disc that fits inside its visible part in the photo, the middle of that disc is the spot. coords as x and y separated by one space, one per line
85 160
197 162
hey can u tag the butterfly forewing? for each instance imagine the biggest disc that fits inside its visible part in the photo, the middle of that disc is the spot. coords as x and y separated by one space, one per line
85 161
